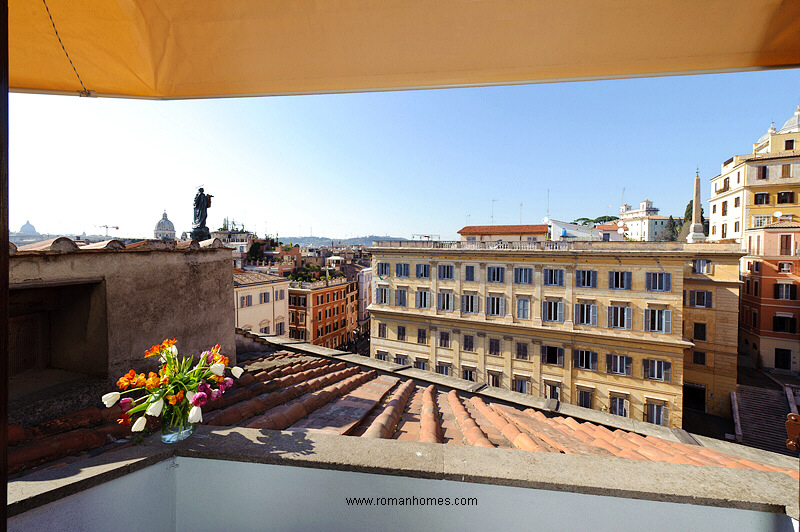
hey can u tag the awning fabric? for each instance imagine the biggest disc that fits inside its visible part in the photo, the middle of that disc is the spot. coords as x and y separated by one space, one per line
206 48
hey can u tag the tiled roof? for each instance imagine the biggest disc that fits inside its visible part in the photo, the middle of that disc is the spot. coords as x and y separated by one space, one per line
607 227
304 393
66 245
245 278
503 229
783 224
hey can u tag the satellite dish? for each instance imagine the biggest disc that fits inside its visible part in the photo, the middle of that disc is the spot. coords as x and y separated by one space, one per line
777 214
545 220
621 230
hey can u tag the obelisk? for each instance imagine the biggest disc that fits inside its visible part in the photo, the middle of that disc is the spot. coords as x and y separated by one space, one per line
696 230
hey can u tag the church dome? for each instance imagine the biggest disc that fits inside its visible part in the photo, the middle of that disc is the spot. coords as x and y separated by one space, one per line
765 136
28 229
793 124
164 224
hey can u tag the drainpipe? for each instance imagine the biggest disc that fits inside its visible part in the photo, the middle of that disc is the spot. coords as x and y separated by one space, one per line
4 355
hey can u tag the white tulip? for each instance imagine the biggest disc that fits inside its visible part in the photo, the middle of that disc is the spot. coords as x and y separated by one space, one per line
195 415
237 371
174 350
139 425
189 396
155 408
110 399
217 369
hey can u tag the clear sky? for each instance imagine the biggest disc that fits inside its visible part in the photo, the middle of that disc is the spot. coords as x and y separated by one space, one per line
390 163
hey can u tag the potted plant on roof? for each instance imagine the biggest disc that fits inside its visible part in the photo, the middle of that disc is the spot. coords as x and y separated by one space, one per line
176 393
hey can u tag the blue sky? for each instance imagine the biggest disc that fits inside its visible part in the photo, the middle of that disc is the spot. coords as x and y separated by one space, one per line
390 163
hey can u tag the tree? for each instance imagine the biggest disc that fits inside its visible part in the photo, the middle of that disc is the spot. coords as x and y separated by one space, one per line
671 230
687 217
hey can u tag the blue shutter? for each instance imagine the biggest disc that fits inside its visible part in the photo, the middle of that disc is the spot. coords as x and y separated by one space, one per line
544 310
668 282
543 351
419 270
646 320
648 281
594 315
560 317
502 272
611 279
594 278
709 296
628 280
439 301
594 361
628 317
576 313
692 297
628 366
560 277
608 363
463 303
668 321
561 356
502 306
668 371
417 299
610 316
516 275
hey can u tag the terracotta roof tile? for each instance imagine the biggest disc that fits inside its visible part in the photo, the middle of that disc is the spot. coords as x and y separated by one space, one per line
504 229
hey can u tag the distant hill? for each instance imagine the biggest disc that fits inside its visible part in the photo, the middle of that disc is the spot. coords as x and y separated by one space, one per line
318 241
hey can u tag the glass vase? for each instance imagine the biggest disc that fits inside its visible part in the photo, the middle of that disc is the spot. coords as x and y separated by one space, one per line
175 433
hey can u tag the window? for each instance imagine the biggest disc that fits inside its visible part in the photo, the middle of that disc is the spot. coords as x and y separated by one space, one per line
713 229
585 398
381 355
724 231
701 266
443 369
263 297
422 299
658 370
788 144
494 347
400 297
551 390
279 328
495 306
521 385
469 273
658 320
724 208
755 287
495 274
382 295
786 170
656 414
401 269
493 379
421 363
786 197
755 318
736 227
552 355
444 301
761 172
618 406
383 269
785 291
761 221
658 281
737 201
446 272
553 277
401 333
469 342
784 267
585 314
699 358
422 336
401 359
469 303
523 275
714 209
701 298
783 358
584 359
553 311
619 365
279 295
444 339
245 301
522 351
468 374
620 280
523 308
620 317
265 329
761 198
586 278
784 324
786 245
423 271
699 332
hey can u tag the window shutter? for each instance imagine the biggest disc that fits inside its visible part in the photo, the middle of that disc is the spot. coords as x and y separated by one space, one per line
646 365
543 351
628 317
575 358
576 313
665 416
397 298
668 282
668 371
516 275
561 356
544 310
560 311
668 321
648 281
608 363
594 361
560 277
611 279
419 269
628 280
594 315
417 299
594 279
502 306
793 292
439 298
692 297
775 290
628 366
627 407
646 320
610 316
684 298
502 272
709 297
463 303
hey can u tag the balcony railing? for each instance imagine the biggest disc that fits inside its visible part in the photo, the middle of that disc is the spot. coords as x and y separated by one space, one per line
583 245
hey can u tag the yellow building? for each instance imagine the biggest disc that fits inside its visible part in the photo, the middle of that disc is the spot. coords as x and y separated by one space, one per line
759 188
622 327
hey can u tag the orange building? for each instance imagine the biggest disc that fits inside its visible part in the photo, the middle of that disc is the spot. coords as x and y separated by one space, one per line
768 321
323 313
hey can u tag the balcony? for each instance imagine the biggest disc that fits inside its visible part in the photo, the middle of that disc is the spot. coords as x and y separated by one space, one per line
550 246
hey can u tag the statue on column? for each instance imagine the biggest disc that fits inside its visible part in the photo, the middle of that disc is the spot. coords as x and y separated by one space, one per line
202 202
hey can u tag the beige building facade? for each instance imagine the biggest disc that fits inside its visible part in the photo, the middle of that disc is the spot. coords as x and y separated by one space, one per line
601 325
261 302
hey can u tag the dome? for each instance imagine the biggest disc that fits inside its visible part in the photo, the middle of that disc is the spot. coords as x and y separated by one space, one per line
28 229
765 136
793 124
164 224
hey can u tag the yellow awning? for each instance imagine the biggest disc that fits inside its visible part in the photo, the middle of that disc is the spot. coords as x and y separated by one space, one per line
206 48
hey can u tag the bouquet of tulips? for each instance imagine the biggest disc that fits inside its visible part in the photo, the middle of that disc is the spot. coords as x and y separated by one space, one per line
177 391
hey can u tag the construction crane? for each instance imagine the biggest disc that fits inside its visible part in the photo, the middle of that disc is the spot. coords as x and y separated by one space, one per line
425 237
115 227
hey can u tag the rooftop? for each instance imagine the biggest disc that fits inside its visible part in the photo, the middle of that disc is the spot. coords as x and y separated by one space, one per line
242 278
504 229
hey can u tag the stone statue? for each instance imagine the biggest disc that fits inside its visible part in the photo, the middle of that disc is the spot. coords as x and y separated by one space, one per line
202 202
